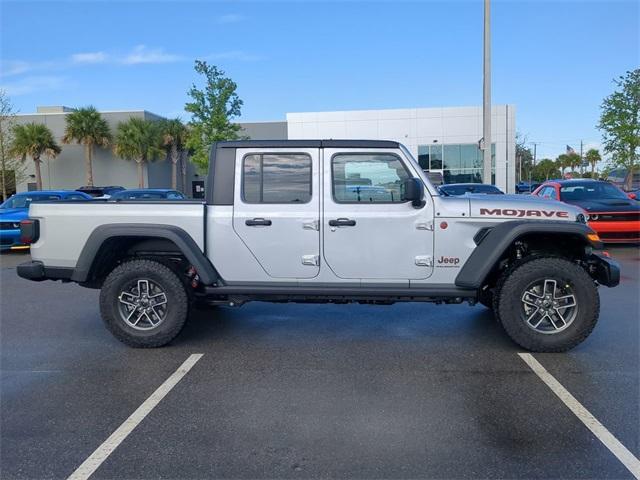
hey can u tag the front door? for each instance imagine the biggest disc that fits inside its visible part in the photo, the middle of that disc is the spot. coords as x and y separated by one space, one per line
369 230
276 210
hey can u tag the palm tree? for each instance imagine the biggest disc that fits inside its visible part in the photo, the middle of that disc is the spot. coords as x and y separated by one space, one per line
138 140
174 135
592 156
87 127
34 140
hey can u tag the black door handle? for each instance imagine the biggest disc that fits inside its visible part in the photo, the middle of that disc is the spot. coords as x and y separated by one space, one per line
256 222
342 222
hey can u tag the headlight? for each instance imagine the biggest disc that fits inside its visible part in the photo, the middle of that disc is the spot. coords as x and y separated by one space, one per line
15 225
581 218
593 216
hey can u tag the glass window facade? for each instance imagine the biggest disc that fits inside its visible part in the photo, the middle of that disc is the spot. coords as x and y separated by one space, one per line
460 163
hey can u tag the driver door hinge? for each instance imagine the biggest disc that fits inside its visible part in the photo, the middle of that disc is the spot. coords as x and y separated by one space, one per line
424 261
312 260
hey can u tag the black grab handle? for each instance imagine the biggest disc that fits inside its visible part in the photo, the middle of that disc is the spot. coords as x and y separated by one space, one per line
264 222
342 222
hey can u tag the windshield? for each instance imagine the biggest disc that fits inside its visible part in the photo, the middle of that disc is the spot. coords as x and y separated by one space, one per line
462 189
23 201
590 191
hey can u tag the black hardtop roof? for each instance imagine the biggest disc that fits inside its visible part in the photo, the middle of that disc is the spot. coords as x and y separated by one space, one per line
308 144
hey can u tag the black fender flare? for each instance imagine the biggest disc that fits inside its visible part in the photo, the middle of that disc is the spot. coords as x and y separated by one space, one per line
185 243
499 238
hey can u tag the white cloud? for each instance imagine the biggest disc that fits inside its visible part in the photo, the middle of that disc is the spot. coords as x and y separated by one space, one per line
33 84
89 57
14 68
143 54
230 18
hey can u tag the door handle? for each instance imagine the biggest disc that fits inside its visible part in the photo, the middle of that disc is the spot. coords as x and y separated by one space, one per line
342 222
258 222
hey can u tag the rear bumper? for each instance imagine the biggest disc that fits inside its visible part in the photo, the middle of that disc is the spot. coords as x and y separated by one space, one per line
36 271
605 270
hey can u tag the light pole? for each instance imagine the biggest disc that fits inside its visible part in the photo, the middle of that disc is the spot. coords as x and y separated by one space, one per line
486 95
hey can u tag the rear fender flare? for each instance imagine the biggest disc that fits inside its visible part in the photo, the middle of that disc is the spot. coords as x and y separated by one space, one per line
183 241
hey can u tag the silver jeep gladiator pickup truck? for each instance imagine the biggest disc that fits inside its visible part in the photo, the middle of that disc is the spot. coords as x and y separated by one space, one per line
333 221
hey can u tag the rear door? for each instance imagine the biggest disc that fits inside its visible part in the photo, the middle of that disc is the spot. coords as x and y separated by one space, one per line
276 209
369 230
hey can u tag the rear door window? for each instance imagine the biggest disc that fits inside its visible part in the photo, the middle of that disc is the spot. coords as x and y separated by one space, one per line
276 178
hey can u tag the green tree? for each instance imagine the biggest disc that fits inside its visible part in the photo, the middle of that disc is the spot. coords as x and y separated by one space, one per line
592 157
568 160
87 127
545 169
174 136
12 169
139 140
34 140
212 110
524 158
620 123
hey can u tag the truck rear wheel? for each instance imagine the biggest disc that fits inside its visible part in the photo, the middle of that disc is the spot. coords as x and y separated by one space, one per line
548 305
143 303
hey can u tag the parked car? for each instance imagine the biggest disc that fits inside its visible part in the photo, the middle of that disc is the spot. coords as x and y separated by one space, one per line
274 228
614 214
16 208
100 192
456 189
526 187
148 194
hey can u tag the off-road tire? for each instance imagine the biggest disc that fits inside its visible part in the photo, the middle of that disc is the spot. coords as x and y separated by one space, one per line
509 308
176 297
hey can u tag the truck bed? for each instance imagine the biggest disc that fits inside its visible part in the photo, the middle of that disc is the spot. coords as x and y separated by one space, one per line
66 226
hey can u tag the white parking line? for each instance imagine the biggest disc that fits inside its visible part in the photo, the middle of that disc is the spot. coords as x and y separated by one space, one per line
92 463
591 422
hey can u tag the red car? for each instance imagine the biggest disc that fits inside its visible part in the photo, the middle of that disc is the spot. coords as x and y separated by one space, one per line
613 214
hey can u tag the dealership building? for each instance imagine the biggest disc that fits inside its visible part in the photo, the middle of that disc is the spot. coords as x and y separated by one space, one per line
444 140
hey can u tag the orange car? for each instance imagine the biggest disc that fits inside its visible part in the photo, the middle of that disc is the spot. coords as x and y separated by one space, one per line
613 214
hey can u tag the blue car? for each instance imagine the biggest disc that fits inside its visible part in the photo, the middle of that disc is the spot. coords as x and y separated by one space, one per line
148 194
16 208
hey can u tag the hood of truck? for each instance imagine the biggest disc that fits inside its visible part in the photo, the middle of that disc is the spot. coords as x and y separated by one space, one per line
523 207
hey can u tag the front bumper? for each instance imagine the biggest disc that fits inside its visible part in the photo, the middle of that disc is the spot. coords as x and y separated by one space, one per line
10 240
605 270
617 231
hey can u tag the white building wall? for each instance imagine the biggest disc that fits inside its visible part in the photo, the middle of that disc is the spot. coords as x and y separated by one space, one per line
414 127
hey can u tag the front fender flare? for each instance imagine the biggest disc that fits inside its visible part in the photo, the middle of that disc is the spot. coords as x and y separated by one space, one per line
493 245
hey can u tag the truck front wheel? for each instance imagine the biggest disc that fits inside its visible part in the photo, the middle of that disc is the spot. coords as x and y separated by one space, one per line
548 304
143 303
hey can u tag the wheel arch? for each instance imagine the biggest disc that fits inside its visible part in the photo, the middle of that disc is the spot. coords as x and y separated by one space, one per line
494 245
108 244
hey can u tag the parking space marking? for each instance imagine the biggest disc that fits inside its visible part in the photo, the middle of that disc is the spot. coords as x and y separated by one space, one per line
612 443
92 463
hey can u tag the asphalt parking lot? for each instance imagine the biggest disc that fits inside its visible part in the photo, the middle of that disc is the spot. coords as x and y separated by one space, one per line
299 391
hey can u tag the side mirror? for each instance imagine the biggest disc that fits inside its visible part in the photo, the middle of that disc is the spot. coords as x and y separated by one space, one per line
632 196
414 192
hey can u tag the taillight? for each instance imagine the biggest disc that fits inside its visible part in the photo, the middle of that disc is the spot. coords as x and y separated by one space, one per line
29 231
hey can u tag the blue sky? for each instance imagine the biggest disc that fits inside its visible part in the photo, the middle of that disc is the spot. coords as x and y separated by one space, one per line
554 60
